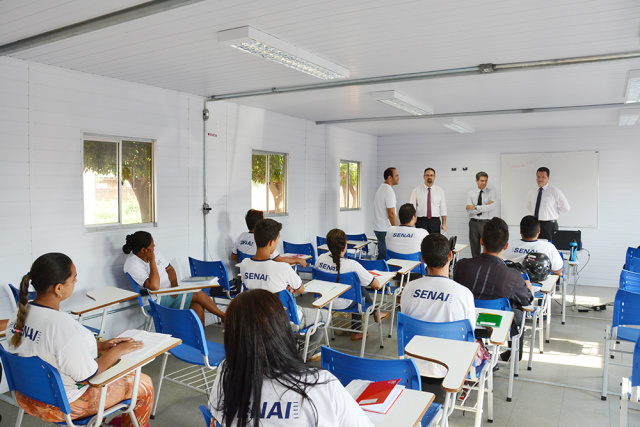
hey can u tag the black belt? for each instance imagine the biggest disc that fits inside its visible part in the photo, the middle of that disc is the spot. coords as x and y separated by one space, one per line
551 220
424 217
479 220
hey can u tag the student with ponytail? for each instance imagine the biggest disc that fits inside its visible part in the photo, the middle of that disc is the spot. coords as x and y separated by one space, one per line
335 262
38 328
150 269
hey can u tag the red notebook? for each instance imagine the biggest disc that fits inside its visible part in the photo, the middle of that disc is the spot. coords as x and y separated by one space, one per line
379 396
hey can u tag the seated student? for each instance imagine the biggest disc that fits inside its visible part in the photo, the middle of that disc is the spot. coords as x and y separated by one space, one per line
405 238
436 298
150 269
246 243
529 231
262 272
335 262
69 347
489 278
263 382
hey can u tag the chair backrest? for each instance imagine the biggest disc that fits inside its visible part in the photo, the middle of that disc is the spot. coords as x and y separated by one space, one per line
242 256
34 378
15 292
408 327
359 238
183 324
142 292
290 305
210 268
319 242
300 248
632 261
373 264
206 414
625 308
630 281
493 304
347 368
416 256
353 294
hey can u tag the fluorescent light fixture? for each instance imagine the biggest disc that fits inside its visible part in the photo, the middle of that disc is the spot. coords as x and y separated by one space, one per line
628 117
456 125
403 102
633 87
250 40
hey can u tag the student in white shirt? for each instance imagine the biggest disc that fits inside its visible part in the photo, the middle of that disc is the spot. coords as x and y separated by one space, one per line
40 329
436 298
246 242
261 272
406 238
335 262
529 231
150 269
263 382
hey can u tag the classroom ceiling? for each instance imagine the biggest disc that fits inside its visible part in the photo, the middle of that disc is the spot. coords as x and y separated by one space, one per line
177 49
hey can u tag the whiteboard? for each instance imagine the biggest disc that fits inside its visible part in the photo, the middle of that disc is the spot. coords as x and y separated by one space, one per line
575 173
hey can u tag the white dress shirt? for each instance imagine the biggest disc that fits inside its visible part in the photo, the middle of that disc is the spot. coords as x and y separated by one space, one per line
485 210
552 204
438 202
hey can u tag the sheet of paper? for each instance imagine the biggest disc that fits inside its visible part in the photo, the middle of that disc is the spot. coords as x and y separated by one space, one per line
151 341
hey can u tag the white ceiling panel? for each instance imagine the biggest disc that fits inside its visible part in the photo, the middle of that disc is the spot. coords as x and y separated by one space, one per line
177 50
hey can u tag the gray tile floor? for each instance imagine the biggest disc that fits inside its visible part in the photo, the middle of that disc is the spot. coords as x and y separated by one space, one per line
563 388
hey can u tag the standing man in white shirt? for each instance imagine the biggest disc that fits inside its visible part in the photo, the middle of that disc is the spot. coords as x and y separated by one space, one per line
546 203
480 210
384 209
431 206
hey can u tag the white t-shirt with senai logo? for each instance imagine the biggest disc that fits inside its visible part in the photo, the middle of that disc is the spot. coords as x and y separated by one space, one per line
140 270
404 239
59 340
518 250
246 243
325 263
281 407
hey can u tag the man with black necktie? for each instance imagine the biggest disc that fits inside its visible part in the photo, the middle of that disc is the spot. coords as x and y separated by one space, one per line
546 203
430 204
479 207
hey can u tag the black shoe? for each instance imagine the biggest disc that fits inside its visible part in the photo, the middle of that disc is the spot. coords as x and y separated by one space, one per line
505 356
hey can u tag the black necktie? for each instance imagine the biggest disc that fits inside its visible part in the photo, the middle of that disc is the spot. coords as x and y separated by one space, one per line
537 211
479 201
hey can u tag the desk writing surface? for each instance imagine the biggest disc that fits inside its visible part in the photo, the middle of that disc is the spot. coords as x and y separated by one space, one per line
186 287
123 367
457 356
383 277
459 247
301 256
104 297
499 334
328 290
406 265
408 410
353 244
549 283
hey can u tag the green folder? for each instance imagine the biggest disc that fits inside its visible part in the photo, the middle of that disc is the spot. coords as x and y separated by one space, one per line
488 319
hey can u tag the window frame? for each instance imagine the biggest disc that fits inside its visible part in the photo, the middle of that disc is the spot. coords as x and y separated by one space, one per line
87 136
286 181
349 162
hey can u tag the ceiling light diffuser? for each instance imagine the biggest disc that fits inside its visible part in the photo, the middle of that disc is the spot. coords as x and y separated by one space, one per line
403 102
628 117
250 40
633 87
456 125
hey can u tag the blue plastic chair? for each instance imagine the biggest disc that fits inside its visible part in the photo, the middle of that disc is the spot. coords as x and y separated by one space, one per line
212 268
301 249
194 350
630 387
361 307
417 256
360 238
143 295
461 330
242 256
347 368
16 293
319 242
35 378
630 281
626 313
292 312
632 260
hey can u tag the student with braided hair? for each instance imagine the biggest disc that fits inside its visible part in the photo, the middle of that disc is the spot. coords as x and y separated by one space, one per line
335 262
150 269
40 329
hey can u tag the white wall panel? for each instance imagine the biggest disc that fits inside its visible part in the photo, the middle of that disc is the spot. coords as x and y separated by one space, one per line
618 227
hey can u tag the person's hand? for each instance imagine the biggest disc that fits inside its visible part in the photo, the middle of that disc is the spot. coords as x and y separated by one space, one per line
490 202
109 344
290 289
444 228
151 257
302 263
129 346
470 207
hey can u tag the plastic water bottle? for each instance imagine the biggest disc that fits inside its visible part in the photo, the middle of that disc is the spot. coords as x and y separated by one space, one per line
573 251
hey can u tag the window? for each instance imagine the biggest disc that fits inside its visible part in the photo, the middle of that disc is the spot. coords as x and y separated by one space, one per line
269 182
118 181
349 185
